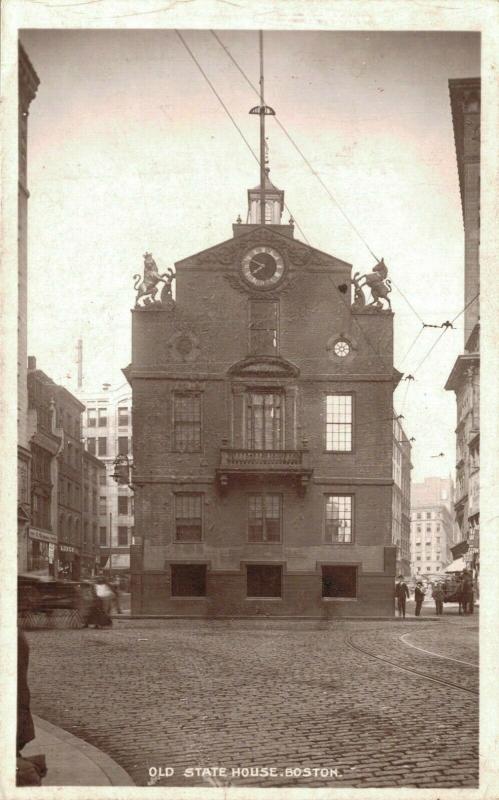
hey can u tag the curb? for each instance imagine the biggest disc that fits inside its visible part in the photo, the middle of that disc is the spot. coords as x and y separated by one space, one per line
117 775
261 618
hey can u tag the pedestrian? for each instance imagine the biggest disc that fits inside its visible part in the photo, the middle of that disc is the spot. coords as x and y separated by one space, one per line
467 592
438 596
401 593
99 613
419 595
116 587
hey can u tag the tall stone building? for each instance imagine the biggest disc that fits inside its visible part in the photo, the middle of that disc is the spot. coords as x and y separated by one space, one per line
464 378
107 432
262 424
28 85
432 527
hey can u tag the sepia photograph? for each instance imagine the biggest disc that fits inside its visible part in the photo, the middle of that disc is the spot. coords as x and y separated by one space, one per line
248 407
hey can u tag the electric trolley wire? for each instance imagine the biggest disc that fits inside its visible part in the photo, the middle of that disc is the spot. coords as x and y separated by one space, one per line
212 87
411 345
309 165
445 330
326 188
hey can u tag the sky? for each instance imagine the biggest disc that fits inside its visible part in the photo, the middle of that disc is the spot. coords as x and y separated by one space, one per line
130 150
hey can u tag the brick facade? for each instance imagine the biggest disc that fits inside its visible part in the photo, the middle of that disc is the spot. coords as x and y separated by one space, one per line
203 345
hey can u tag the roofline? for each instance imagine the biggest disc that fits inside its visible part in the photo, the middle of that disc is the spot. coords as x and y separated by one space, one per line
455 374
277 233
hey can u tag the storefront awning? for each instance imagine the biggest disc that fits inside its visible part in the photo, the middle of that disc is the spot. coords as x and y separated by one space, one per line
457 566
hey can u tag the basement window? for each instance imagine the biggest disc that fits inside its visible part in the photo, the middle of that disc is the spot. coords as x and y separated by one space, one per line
264 580
339 581
188 580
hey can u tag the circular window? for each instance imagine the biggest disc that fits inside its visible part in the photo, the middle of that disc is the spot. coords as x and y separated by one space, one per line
341 348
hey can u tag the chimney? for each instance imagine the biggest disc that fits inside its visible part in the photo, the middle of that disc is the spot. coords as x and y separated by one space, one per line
31 363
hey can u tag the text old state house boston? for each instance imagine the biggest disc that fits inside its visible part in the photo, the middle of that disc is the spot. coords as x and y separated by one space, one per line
262 421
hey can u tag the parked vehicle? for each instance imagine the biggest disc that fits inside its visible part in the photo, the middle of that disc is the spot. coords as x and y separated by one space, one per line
50 602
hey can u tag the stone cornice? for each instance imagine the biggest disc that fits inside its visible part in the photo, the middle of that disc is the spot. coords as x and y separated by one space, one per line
28 80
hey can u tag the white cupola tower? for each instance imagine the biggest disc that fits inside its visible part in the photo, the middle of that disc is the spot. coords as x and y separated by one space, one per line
274 203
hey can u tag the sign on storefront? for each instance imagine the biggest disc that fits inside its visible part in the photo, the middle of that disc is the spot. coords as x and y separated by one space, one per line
42 536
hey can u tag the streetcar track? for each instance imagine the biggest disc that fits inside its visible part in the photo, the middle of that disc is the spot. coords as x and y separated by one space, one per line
436 655
410 670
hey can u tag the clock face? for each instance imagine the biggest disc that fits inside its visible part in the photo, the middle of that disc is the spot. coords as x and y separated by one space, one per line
263 267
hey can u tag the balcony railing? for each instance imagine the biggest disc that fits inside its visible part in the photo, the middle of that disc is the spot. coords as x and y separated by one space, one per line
238 462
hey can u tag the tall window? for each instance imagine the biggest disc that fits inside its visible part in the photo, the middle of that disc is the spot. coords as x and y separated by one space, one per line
263 327
187 422
264 518
122 536
102 417
122 416
91 445
263 421
102 504
263 580
339 422
122 504
188 517
123 445
91 417
102 479
102 535
102 446
338 519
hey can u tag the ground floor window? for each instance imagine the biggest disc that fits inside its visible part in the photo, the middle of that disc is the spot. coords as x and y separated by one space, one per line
188 580
263 580
339 581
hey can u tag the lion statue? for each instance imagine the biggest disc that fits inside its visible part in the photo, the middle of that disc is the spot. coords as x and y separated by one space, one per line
147 286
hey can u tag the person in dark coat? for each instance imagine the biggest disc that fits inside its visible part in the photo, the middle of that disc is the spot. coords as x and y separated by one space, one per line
419 594
401 594
467 592
438 596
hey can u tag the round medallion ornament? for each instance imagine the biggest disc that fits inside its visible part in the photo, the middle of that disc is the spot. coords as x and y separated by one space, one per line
262 267
341 348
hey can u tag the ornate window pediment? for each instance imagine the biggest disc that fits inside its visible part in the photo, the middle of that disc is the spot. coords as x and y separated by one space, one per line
264 367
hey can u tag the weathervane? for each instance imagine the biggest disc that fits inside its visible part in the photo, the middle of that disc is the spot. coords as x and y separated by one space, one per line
263 111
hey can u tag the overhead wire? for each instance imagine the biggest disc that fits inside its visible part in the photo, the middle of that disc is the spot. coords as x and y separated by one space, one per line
224 106
326 188
445 331
309 165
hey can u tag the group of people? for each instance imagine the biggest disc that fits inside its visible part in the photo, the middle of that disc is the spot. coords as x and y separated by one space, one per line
463 594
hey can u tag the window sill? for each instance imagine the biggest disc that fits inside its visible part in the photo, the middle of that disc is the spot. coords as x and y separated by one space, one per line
339 599
279 599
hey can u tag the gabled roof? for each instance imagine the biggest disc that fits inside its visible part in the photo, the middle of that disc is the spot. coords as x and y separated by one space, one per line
226 252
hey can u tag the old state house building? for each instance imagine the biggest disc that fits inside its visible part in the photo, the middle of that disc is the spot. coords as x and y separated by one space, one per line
262 434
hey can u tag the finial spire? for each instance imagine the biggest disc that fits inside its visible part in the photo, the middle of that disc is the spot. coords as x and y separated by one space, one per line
262 110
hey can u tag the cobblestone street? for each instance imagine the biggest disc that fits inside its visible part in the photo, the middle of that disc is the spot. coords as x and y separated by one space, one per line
306 699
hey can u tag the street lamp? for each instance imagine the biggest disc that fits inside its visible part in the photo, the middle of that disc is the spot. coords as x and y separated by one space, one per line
122 471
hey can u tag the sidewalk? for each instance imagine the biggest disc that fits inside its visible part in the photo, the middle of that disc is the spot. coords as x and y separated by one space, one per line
73 762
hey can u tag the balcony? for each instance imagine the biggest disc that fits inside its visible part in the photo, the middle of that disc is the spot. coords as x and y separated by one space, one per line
240 463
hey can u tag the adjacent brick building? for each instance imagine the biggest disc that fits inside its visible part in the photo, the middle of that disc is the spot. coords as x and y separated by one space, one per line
464 379
94 475
28 82
263 439
401 497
